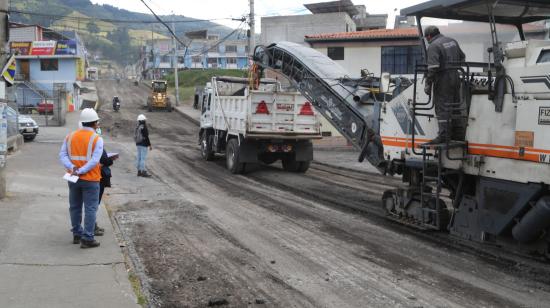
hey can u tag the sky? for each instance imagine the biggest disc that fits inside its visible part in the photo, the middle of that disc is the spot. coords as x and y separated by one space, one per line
226 9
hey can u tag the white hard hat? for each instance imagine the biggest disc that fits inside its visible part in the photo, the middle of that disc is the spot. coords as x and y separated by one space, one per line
88 115
141 117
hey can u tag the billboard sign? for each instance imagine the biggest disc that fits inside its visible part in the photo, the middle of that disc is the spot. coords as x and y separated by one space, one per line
43 48
66 47
20 48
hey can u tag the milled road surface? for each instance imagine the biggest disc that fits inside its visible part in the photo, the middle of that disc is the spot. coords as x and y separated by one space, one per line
200 236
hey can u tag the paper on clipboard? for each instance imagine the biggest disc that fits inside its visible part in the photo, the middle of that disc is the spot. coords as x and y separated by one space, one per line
70 178
112 155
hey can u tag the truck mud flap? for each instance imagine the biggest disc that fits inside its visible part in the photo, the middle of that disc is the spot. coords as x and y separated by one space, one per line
304 151
248 152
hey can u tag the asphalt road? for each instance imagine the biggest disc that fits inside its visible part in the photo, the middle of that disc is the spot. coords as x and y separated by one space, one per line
198 235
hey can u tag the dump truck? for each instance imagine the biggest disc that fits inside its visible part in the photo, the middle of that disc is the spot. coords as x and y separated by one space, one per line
158 98
250 126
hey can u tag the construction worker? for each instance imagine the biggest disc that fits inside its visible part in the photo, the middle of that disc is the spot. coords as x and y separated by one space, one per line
80 155
141 137
442 79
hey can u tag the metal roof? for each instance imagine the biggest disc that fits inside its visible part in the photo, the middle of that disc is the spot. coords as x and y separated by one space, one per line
334 6
505 11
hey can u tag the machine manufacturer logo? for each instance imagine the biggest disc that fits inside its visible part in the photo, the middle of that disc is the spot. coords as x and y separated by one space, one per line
537 79
405 120
544 115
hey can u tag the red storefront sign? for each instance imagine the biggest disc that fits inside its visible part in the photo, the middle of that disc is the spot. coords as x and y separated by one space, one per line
43 48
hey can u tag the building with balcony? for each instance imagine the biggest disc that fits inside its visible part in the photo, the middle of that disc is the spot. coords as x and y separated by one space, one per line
326 17
203 52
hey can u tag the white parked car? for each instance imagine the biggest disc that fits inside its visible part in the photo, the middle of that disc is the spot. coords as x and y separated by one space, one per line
28 127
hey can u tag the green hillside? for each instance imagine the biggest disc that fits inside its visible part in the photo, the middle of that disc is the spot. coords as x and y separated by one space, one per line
189 79
116 41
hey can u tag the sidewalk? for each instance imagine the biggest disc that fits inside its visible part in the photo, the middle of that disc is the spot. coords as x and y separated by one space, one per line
326 152
39 265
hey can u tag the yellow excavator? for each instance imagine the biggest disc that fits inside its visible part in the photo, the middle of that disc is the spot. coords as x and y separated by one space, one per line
158 98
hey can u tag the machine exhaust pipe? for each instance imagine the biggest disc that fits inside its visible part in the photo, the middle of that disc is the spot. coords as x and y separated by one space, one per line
534 223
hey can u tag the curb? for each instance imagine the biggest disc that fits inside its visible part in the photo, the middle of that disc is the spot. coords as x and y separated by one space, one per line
188 117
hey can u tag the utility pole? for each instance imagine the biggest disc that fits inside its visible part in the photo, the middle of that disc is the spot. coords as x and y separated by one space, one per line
251 43
4 7
176 77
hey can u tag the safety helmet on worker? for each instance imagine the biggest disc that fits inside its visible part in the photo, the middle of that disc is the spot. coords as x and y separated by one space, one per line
431 31
141 117
88 115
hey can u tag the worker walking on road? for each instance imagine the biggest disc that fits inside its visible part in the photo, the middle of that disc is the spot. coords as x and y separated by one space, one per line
80 155
141 137
443 54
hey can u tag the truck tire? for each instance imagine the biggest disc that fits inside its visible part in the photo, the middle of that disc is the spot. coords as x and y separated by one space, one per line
304 165
268 159
206 147
232 157
149 106
290 164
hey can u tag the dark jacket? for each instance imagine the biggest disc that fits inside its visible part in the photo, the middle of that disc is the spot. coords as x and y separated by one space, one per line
443 53
105 162
145 133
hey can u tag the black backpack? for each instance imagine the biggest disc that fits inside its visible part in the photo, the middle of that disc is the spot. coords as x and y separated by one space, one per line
138 134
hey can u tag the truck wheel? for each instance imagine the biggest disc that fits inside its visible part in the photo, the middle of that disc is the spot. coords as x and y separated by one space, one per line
290 164
206 148
304 165
232 157
268 159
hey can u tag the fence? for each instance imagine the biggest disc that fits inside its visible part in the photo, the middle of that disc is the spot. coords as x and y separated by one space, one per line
46 107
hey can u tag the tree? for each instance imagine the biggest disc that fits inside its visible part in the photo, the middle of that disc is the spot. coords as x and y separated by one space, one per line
92 27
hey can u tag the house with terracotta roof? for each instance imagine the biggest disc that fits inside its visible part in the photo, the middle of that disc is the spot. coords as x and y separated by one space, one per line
381 50
397 50
325 17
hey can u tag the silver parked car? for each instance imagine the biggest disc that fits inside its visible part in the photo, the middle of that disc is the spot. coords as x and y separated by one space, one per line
27 127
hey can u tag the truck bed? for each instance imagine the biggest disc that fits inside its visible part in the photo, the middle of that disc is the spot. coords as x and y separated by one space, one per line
239 115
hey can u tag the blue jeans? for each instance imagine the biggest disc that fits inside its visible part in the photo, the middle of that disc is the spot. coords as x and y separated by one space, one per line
83 193
141 156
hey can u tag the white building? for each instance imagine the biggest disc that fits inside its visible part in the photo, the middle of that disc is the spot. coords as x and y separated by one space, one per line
326 17
383 50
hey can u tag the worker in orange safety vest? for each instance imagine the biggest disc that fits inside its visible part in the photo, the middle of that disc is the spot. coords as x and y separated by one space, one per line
80 155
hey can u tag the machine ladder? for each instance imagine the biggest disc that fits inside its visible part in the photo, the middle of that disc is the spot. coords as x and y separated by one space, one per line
434 174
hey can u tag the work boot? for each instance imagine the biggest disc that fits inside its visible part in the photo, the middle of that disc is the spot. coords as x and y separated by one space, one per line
436 140
98 231
88 244
76 239
139 172
145 174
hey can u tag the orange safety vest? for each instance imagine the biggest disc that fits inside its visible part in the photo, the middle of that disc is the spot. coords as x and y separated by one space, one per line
80 147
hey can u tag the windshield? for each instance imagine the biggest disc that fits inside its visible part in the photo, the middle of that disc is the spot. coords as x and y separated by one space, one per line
473 37
159 87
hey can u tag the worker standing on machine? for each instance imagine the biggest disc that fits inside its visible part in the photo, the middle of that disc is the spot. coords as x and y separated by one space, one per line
443 54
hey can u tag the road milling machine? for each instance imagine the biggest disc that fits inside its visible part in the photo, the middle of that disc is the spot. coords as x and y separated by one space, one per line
489 185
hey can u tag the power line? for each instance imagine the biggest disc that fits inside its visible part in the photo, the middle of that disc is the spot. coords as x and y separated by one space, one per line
167 27
225 38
